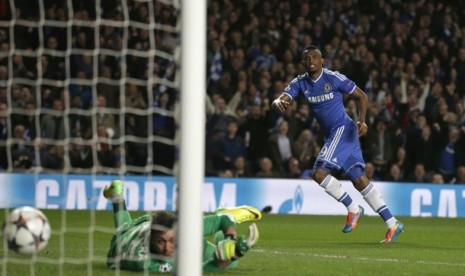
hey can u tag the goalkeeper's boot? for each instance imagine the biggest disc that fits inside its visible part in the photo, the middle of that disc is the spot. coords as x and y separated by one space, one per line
393 232
114 192
241 213
352 220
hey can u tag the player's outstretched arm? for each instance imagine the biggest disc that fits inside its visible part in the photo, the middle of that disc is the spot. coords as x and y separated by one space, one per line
281 103
362 127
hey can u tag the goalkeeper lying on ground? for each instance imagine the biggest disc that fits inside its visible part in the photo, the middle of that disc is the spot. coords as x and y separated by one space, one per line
148 242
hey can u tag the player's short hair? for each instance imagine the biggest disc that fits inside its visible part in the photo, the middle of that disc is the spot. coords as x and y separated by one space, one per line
311 47
162 221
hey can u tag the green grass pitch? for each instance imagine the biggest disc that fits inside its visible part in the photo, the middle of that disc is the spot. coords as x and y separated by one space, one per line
288 245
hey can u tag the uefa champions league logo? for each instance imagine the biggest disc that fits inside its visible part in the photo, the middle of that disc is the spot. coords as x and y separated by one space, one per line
293 205
298 199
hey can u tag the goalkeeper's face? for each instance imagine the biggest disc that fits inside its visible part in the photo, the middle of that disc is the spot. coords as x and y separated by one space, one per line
164 242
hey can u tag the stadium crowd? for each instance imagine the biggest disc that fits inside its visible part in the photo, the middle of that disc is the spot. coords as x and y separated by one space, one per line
408 56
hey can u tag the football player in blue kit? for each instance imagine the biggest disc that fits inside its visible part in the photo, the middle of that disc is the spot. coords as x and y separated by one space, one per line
324 89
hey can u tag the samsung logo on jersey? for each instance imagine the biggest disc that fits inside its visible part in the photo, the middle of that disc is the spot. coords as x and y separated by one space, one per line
321 98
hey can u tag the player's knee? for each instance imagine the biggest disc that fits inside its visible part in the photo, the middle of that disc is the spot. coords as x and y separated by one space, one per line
319 175
361 182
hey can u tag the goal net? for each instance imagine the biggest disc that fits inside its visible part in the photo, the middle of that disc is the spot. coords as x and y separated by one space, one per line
87 87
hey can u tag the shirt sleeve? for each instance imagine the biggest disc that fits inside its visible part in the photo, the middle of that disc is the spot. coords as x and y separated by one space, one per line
347 85
292 90
215 223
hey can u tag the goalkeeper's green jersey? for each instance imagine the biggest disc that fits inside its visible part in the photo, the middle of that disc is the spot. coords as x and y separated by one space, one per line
130 245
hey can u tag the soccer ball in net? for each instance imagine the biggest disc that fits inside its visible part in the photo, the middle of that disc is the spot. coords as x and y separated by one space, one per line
26 230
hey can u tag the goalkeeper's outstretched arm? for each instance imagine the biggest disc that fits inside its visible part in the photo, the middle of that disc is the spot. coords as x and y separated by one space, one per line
228 245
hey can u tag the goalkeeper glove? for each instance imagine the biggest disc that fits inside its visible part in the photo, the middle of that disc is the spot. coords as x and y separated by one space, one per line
226 250
231 250
243 245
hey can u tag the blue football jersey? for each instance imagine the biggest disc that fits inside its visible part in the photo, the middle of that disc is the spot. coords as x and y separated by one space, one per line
325 96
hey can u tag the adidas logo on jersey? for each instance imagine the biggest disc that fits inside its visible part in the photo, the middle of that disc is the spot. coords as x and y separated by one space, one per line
334 160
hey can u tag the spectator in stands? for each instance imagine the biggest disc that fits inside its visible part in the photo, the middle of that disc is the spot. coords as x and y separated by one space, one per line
394 174
426 149
280 146
105 153
266 169
370 171
304 149
228 148
120 159
28 120
419 174
255 130
52 124
82 90
50 70
20 70
16 101
215 63
53 158
437 178
241 168
163 121
106 119
265 58
82 64
80 155
80 124
109 91
298 119
446 158
133 97
460 177
137 151
401 161
220 114
293 170
25 97
22 151
381 146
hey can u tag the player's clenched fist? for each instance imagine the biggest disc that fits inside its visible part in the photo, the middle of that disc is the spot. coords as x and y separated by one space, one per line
362 128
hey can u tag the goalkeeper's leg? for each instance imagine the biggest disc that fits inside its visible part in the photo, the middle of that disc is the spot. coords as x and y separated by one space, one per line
114 193
241 214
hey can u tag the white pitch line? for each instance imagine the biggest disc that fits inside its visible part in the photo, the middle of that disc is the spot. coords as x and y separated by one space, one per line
385 260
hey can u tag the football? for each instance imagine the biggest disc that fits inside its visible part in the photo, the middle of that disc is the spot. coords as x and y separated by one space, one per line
26 230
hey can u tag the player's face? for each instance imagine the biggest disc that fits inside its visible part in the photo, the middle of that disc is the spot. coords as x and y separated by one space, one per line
312 60
164 243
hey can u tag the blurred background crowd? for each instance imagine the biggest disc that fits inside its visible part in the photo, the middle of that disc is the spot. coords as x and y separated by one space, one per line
408 56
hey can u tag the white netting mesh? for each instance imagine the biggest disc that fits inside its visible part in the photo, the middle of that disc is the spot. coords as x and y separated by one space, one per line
89 87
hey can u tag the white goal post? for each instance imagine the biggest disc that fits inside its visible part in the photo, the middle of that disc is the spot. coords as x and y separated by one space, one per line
192 147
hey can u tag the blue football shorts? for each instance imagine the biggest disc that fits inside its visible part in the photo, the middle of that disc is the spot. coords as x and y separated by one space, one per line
341 152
